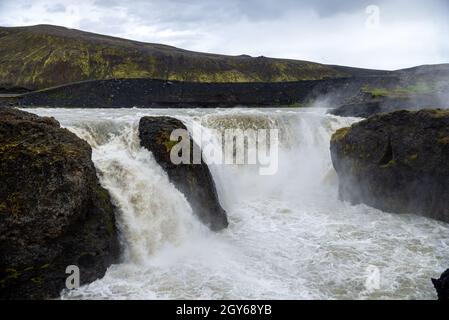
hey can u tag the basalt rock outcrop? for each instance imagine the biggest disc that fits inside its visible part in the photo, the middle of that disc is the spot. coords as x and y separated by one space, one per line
193 180
442 286
53 211
397 162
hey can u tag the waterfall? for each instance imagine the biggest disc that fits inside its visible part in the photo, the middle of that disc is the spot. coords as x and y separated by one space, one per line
152 212
289 235
303 154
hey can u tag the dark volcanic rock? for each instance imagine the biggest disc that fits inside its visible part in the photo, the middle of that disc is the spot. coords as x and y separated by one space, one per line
193 180
360 110
53 211
357 96
367 107
396 162
146 93
442 285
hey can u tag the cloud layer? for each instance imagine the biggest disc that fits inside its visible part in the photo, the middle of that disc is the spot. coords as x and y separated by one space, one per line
396 34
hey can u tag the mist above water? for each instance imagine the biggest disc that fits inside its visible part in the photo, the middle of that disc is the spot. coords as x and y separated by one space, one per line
289 236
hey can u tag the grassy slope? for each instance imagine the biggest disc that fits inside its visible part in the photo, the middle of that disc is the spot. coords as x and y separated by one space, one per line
43 56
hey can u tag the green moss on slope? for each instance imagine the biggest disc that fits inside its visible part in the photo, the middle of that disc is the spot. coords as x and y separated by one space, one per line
414 88
44 56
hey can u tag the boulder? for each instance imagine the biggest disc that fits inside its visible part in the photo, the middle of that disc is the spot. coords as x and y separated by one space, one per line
193 180
53 211
442 285
396 162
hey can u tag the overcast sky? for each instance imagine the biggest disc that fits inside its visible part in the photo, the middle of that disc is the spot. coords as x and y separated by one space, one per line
374 34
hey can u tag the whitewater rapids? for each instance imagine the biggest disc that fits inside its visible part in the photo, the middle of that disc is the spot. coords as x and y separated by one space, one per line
289 236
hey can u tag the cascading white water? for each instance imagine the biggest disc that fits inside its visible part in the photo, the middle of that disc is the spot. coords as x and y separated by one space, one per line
152 213
289 235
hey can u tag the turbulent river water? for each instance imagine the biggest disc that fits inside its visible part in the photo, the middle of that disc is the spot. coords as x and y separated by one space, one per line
289 236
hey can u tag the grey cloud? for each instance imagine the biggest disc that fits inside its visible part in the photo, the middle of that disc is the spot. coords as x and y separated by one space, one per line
107 3
56 8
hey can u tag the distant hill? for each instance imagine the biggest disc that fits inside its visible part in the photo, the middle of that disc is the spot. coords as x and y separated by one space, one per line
72 68
42 56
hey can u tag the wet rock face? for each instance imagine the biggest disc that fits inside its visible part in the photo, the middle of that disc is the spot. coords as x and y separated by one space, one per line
193 180
442 286
397 162
53 211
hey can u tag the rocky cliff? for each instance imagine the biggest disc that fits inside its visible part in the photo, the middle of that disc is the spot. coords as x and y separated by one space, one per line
396 162
53 211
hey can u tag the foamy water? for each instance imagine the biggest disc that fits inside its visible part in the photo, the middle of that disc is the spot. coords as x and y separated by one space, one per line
289 236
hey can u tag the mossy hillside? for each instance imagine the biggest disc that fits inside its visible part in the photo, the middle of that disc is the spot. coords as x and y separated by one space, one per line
44 56
406 90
